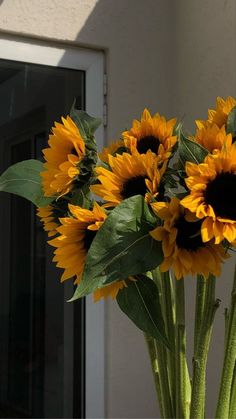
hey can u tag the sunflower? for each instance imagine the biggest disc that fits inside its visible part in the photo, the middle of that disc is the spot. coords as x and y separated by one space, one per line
76 234
130 174
212 137
50 215
153 133
183 248
112 149
219 115
110 290
212 186
66 149
47 217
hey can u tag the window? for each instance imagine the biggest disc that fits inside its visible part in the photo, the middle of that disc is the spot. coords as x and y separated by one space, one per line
51 352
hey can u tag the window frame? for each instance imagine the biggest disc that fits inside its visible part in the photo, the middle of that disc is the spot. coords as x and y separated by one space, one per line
92 62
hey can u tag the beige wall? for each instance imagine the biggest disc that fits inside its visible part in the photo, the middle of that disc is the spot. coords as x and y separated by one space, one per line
172 56
205 68
205 55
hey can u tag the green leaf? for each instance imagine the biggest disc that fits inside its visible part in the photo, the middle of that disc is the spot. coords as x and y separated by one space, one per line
190 151
169 179
81 197
24 179
86 168
140 302
177 129
231 122
122 247
86 123
101 163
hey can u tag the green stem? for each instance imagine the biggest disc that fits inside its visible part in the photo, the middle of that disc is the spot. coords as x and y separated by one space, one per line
226 314
182 379
163 354
169 317
223 406
232 409
202 342
155 370
164 381
199 307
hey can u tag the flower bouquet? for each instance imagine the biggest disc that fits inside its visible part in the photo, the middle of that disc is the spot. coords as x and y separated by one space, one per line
132 221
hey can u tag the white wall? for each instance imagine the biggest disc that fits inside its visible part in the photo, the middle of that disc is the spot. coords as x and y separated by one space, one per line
205 63
172 56
205 55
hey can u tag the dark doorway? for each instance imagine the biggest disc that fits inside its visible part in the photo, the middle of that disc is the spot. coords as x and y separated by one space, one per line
41 336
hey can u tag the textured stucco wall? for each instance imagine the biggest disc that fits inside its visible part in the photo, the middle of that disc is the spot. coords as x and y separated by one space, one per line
172 56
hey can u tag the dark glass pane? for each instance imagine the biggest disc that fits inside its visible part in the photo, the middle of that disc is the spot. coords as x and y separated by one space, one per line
20 294
41 336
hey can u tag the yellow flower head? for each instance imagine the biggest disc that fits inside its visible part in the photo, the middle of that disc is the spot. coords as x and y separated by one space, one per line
51 214
111 149
213 138
65 151
76 234
153 133
49 220
212 186
110 290
130 174
219 115
183 248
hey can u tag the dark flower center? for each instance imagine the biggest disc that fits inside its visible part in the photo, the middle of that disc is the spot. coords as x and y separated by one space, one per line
189 234
88 238
134 186
148 143
59 209
234 138
73 151
220 194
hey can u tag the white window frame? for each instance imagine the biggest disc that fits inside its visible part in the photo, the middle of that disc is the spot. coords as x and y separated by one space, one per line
92 62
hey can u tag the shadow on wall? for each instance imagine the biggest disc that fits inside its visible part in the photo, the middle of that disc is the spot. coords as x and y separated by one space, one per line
138 52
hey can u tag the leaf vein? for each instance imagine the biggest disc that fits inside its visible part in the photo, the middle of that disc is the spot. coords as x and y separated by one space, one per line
146 308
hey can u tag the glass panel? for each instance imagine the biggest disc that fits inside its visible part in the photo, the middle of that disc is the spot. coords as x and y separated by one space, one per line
19 356
41 336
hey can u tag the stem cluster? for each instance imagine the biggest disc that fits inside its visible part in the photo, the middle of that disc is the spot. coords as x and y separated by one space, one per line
226 406
177 397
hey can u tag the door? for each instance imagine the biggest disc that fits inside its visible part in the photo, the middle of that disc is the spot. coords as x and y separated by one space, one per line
43 342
